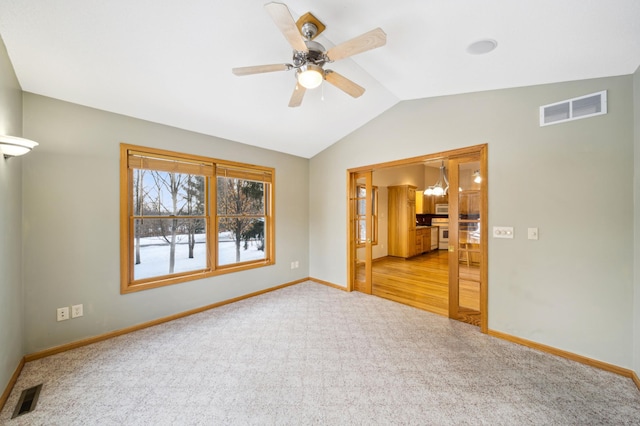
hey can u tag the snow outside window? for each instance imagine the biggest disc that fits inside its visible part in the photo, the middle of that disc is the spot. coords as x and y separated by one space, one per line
179 223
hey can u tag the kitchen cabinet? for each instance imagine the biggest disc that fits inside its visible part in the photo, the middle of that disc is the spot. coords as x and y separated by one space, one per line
422 202
423 239
402 220
469 204
429 202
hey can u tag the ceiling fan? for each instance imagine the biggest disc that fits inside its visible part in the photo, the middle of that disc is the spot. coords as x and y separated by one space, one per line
309 57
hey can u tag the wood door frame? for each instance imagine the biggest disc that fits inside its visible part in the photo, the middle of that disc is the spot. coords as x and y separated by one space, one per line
482 151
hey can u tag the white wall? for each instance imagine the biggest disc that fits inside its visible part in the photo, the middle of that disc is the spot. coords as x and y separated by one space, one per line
11 303
71 220
636 191
573 288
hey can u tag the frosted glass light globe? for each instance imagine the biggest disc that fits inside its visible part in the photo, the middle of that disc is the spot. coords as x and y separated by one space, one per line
310 76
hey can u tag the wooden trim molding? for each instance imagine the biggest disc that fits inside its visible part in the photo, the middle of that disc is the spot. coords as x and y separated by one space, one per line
328 284
420 159
568 355
84 342
11 384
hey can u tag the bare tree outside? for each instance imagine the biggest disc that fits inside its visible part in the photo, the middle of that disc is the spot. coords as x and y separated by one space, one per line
195 196
165 203
188 216
241 212
171 183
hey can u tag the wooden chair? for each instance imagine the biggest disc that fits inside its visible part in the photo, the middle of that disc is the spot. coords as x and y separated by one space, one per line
468 244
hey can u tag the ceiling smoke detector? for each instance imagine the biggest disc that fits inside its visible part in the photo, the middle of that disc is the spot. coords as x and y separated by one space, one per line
482 47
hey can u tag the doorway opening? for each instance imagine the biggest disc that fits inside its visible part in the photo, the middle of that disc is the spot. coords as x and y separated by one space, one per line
413 247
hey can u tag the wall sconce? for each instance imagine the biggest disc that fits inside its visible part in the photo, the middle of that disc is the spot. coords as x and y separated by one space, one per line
13 146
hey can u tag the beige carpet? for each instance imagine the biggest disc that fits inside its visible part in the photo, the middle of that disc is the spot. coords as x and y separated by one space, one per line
310 354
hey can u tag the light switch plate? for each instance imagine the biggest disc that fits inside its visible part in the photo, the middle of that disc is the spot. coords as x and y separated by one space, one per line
503 232
532 233
77 311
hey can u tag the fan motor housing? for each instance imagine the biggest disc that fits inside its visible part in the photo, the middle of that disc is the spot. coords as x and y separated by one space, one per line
316 52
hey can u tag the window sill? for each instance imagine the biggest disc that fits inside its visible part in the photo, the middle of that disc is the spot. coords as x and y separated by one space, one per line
134 287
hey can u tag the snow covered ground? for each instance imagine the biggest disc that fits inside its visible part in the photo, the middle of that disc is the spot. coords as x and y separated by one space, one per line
154 255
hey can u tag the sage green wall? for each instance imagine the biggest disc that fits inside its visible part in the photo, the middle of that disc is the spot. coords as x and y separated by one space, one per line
573 288
636 190
11 303
71 217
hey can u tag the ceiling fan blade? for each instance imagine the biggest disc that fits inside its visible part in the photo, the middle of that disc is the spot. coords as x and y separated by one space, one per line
284 21
343 83
257 69
297 95
362 43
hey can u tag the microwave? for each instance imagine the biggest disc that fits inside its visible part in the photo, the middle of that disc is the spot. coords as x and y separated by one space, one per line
442 209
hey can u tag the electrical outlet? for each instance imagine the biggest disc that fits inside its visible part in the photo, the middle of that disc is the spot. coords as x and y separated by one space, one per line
77 311
297 264
293 265
63 313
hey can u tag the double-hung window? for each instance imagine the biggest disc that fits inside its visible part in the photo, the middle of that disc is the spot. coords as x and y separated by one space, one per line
243 200
186 217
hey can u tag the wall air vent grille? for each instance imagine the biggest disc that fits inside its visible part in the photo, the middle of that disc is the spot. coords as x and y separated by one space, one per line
573 109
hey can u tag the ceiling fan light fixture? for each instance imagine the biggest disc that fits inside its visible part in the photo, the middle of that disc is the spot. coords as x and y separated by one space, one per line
310 76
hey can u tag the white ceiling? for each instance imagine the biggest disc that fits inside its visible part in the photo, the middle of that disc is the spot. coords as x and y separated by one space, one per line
170 61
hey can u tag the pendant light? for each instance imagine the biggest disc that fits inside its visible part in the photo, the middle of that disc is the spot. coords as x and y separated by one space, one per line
438 189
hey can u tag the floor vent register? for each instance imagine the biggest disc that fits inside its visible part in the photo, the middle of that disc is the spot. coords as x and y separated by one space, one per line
27 402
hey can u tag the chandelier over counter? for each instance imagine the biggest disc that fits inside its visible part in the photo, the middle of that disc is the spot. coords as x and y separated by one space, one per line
438 189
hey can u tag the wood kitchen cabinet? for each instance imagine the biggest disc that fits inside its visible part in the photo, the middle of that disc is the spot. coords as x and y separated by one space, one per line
429 202
419 245
423 240
402 220
469 204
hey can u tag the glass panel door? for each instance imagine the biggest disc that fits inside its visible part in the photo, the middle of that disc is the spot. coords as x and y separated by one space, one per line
465 239
362 212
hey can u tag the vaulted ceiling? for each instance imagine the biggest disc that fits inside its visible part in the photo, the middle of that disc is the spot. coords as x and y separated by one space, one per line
170 61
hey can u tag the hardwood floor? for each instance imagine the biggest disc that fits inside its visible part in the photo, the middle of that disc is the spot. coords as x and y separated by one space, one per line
423 282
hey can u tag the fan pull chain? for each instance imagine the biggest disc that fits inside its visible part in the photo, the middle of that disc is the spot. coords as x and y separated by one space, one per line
322 91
